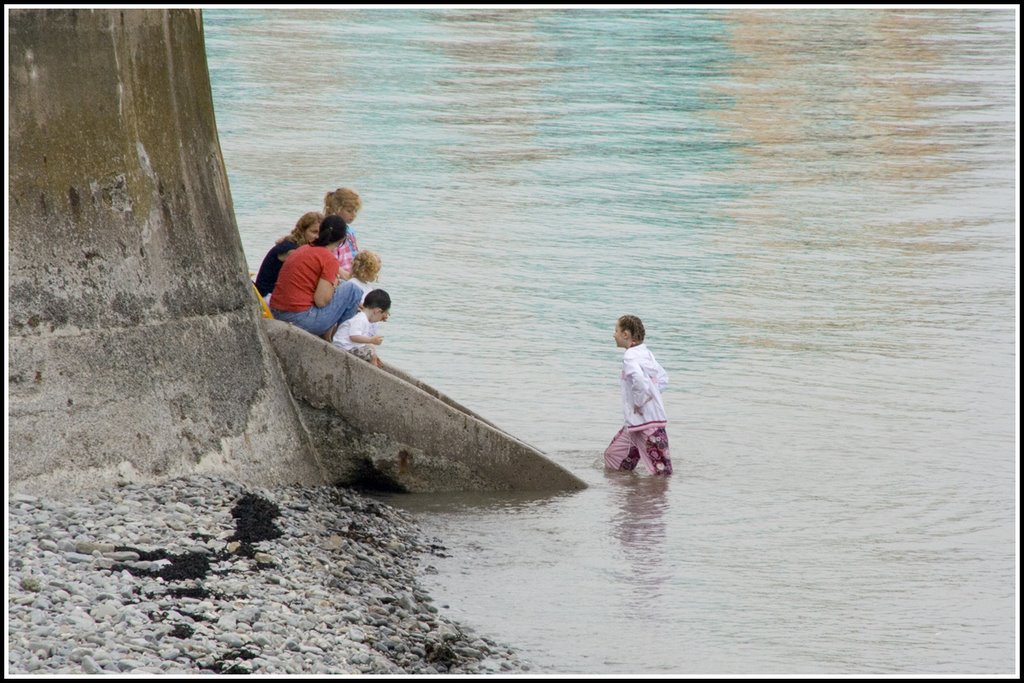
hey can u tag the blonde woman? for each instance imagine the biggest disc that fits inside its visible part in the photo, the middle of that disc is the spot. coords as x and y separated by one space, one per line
346 203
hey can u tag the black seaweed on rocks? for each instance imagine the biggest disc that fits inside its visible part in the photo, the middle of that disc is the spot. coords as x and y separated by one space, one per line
182 631
182 567
225 665
197 592
254 522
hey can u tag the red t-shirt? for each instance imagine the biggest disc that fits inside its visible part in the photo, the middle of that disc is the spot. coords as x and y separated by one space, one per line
299 276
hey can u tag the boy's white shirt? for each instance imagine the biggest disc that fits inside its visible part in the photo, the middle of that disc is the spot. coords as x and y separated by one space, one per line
367 288
642 380
358 325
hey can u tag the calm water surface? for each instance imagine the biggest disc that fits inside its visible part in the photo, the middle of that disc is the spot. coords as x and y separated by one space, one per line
814 213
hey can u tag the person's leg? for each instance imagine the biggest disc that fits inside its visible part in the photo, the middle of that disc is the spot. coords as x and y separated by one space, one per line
652 445
306 320
621 454
343 305
329 334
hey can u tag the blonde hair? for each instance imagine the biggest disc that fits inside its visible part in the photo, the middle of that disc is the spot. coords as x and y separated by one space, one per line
342 198
366 266
305 221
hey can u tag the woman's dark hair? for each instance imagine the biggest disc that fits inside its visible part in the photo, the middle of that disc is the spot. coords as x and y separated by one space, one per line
332 229
378 298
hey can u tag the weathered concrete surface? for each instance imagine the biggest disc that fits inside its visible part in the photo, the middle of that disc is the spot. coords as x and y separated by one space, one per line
413 437
134 346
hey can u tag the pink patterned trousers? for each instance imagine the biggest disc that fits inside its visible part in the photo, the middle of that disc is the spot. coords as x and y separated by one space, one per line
650 446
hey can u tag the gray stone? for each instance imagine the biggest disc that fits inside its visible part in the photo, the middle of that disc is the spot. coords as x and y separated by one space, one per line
231 639
227 621
79 558
89 547
107 610
90 666
121 556
131 665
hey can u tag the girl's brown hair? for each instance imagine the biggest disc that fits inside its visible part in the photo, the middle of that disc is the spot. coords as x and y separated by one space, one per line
633 325
305 221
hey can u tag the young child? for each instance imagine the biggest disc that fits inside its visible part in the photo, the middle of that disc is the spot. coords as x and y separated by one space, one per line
346 203
643 436
356 335
365 271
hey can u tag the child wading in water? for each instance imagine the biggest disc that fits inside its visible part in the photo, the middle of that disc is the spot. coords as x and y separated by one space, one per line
643 436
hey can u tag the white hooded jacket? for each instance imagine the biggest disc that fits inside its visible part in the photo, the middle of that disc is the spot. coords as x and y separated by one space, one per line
643 379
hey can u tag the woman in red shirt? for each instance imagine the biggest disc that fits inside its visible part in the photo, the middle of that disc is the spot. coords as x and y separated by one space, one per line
307 293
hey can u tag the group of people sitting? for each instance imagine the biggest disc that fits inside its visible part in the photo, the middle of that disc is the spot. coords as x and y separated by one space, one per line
317 279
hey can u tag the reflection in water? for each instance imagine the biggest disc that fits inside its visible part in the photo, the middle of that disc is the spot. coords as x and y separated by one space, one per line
471 501
489 93
638 523
872 107
836 127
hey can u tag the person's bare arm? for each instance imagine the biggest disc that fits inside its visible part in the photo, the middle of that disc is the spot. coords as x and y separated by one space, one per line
363 339
324 292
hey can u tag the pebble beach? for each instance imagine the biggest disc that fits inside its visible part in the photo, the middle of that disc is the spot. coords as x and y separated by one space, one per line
200 575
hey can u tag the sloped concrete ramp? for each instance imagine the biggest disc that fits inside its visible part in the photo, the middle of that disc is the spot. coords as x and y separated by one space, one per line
433 444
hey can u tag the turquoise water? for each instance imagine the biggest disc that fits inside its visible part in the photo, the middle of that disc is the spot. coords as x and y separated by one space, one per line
813 211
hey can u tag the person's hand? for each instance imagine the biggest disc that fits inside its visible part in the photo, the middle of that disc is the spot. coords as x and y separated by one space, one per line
378 340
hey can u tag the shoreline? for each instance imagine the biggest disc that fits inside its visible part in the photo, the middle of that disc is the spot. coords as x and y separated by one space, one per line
201 575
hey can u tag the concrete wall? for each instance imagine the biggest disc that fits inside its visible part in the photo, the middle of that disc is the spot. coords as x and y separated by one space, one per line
134 346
